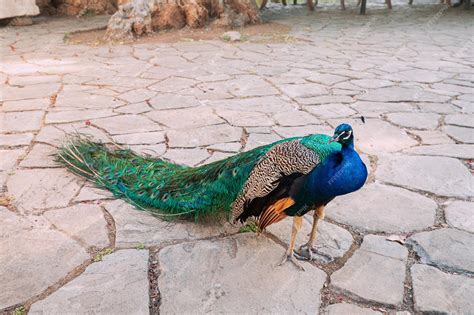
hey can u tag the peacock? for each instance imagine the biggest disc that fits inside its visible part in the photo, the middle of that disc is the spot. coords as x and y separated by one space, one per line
289 177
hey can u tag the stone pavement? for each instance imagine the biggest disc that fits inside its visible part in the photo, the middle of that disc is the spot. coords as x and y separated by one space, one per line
403 244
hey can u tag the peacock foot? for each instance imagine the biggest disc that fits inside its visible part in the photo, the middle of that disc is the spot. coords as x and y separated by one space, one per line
291 257
305 252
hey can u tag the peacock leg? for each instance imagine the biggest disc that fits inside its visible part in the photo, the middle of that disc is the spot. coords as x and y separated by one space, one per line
290 255
306 250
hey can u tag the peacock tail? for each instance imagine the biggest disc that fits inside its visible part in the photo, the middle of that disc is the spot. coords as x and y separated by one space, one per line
170 190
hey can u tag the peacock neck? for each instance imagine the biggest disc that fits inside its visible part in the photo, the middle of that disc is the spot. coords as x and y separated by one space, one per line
348 145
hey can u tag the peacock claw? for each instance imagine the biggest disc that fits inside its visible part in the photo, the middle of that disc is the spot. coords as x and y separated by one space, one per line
292 258
305 252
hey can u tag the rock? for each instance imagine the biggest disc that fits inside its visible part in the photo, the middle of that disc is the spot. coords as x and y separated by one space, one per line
134 227
118 284
415 120
10 158
64 116
21 21
330 111
333 100
37 189
141 138
245 118
376 272
126 124
186 117
189 157
304 90
344 309
173 101
16 139
299 131
432 137
14 8
20 121
83 221
33 258
34 91
461 151
82 100
418 75
195 137
42 155
447 248
153 150
401 94
332 241
326 78
210 284
460 120
258 139
137 95
461 134
295 118
439 175
460 214
231 36
383 208
439 292
266 104
368 137
372 83
90 193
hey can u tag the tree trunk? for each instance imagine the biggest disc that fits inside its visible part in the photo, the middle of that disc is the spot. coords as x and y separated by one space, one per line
140 17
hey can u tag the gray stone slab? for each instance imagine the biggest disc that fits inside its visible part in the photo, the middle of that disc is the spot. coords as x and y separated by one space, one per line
295 118
141 138
65 116
85 222
460 120
258 139
186 117
461 134
33 257
462 151
447 248
135 227
16 139
37 189
415 120
20 121
460 214
400 94
10 158
190 157
375 272
195 137
439 175
383 208
41 155
346 309
195 278
245 118
432 137
332 241
439 292
116 285
125 124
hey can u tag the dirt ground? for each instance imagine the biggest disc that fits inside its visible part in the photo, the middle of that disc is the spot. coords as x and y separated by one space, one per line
264 32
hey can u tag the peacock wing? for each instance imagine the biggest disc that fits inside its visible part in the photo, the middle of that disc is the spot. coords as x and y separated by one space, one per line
282 161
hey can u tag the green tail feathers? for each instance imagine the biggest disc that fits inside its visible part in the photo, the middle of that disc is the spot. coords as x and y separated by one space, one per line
158 186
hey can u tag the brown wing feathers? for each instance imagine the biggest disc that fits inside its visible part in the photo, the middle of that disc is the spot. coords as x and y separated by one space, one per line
274 212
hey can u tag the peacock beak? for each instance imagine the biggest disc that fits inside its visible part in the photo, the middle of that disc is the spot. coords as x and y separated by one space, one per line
335 138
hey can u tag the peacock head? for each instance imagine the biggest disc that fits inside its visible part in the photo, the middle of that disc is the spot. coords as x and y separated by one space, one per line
343 134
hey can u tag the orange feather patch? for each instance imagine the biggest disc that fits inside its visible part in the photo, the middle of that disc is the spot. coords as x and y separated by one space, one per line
274 213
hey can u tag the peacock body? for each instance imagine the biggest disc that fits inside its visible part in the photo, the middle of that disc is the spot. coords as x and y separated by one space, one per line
286 178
